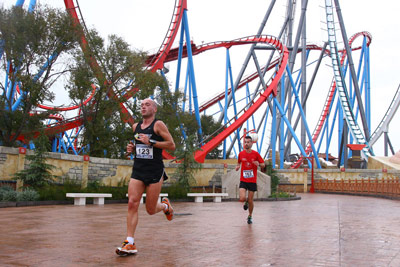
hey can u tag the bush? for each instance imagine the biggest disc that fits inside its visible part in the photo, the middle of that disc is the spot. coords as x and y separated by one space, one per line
9 195
280 195
28 195
5 189
176 191
58 191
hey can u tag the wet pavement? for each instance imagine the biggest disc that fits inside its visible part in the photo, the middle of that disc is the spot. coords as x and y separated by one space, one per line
318 230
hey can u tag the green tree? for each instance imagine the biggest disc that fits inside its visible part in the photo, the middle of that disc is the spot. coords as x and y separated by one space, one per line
38 172
30 40
188 166
269 170
123 70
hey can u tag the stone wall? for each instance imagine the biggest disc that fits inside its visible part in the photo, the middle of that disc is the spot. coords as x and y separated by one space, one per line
115 172
106 171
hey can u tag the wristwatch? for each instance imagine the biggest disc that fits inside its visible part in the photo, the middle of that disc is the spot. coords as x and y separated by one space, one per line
152 142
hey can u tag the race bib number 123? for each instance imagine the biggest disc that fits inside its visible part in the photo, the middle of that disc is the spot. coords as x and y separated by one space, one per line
144 151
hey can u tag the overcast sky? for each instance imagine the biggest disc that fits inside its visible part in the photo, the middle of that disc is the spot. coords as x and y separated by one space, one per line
143 24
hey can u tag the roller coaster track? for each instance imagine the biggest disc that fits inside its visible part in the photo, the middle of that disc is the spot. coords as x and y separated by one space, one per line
271 88
245 80
157 62
154 65
387 118
327 106
72 9
173 55
71 107
340 84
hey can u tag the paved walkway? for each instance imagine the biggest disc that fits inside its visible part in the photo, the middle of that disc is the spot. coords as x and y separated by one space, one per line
318 230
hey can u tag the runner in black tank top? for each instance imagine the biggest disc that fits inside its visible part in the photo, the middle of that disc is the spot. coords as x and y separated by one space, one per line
148 165
151 137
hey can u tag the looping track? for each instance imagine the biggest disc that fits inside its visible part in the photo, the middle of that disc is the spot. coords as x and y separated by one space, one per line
166 54
156 62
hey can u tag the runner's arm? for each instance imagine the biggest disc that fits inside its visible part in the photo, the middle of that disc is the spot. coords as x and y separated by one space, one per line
161 129
238 164
130 146
261 161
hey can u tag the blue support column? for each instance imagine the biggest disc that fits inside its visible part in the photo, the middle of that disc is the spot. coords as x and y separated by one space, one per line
283 116
273 135
264 129
192 76
179 64
229 69
303 116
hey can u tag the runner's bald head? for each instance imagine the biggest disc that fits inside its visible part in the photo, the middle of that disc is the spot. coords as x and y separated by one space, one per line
151 101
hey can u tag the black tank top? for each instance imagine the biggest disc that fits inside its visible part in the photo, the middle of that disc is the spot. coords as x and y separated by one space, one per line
148 161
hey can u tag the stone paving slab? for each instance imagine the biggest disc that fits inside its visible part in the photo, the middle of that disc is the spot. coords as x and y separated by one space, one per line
318 230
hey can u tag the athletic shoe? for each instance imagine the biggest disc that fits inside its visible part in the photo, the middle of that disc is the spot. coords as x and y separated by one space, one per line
126 249
249 220
169 213
246 205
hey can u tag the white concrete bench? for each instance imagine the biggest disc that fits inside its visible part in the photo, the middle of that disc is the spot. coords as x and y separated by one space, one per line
198 197
159 199
80 198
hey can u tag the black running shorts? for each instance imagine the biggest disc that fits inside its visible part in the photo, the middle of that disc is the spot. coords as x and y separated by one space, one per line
151 180
248 186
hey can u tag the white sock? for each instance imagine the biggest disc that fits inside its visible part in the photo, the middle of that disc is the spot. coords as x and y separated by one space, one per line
165 207
130 239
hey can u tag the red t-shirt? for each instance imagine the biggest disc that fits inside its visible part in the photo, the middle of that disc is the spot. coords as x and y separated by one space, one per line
248 171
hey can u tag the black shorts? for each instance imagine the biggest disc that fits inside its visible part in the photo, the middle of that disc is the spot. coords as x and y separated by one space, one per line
151 180
248 186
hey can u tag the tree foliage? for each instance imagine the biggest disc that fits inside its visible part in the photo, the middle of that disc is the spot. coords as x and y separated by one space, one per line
122 70
188 166
180 122
29 41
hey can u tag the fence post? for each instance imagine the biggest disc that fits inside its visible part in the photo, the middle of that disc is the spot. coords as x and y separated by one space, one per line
21 166
85 171
305 181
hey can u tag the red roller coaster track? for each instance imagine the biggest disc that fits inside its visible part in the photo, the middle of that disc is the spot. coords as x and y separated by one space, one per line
157 61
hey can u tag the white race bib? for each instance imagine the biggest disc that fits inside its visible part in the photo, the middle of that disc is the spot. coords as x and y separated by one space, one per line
248 174
144 151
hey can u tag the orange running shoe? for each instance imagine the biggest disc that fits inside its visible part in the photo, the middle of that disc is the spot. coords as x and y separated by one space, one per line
170 212
126 249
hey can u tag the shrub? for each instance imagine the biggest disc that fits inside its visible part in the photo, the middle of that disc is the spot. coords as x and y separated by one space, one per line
28 195
9 195
176 191
280 195
58 191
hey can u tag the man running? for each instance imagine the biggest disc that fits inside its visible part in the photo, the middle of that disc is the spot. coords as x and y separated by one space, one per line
151 137
249 160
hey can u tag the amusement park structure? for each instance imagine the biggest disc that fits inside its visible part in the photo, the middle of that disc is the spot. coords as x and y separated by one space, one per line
269 95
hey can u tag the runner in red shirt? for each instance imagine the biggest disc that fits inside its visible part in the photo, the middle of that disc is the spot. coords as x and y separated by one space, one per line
249 160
